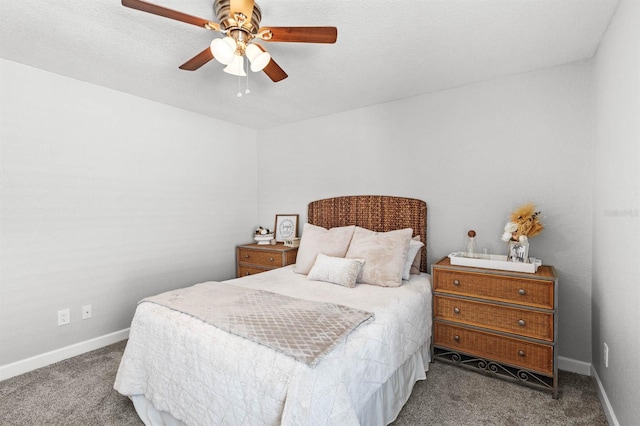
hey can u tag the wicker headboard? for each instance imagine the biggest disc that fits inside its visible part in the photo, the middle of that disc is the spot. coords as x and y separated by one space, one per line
375 212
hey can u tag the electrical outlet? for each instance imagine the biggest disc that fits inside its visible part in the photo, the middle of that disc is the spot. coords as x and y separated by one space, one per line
606 355
64 316
86 312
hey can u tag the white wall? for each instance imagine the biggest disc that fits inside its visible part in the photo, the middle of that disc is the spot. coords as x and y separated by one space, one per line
473 154
107 198
616 207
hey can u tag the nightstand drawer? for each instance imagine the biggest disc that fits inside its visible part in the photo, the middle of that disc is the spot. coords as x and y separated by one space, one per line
538 325
528 292
533 356
244 271
260 257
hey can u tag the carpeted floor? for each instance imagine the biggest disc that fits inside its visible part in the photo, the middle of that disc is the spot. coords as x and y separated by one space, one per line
79 391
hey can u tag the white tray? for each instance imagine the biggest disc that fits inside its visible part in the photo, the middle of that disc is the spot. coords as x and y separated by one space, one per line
494 261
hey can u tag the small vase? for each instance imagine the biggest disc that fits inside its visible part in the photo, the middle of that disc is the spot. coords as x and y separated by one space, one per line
518 252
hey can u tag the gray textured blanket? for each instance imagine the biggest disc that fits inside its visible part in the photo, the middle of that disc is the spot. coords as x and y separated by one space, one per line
302 329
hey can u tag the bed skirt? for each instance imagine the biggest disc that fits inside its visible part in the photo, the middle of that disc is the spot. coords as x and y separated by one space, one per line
381 409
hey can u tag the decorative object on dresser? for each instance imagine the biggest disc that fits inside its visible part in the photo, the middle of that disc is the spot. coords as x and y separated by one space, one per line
524 223
470 249
499 322
255 258
518 252
263 236
494 261
292 242
286 227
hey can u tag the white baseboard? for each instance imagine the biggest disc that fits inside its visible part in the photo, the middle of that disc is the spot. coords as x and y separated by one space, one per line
604 400
42 360
574 366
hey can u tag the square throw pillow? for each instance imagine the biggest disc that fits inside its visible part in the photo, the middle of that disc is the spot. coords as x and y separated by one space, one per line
385 254
412 254
316 239
336 270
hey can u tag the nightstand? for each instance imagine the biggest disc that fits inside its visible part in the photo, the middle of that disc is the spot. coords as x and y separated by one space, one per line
500 322
255 258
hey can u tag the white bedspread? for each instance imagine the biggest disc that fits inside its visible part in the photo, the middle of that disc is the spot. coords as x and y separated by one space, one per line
202 375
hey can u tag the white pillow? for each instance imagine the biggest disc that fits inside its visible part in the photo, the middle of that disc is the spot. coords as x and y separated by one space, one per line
336 270
415 268
414 249
385 254
316 239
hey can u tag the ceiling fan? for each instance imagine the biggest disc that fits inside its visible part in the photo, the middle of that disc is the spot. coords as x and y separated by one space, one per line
239 21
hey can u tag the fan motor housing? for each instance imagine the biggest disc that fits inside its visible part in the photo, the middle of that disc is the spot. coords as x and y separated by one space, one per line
222 10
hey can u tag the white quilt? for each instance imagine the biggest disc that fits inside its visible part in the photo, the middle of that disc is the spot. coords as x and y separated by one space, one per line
204 376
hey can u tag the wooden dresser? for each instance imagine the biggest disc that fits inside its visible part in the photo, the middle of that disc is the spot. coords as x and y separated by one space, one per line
500 322
253 258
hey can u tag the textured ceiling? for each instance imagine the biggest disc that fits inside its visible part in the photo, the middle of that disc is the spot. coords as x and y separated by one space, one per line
386 50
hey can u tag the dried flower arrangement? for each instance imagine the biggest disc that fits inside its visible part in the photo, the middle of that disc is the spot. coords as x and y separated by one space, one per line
524 224
264 236
263 231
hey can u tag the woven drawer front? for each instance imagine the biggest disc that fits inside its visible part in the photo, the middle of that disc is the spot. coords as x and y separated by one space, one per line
534 324
243 271
260 257
524 291
532 356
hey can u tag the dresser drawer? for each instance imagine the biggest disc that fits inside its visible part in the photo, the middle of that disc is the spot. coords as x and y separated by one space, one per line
244 270
261 257
532 356
524 291
255 258
538 325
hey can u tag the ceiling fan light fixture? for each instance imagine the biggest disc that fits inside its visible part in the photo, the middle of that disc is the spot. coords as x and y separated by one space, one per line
236 67
258 57
223 49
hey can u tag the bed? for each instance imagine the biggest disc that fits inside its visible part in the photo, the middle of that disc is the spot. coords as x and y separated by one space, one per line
179 369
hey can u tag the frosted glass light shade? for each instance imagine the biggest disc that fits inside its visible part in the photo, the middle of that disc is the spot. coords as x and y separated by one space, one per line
223 49
236 67
258 58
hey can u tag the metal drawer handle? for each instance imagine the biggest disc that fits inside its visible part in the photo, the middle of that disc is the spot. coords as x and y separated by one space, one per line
522 291
521 323
456 338
456 310
520 353
271 259
246 256
456 282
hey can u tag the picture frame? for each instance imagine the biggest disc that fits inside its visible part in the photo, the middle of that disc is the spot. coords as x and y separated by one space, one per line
518 252
286 227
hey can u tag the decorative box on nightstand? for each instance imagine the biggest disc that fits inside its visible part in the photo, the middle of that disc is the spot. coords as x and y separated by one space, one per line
255 258
503 323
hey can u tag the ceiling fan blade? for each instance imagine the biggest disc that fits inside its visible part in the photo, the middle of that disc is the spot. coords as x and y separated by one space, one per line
274 71
299 34
170 13
242 6
197 61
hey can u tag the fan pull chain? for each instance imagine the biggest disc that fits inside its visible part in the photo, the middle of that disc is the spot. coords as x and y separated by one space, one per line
247 91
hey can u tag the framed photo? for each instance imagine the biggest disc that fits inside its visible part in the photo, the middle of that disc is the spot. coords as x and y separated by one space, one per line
518 252
286 227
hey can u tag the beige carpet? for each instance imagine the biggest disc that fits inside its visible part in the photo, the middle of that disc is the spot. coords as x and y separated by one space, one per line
79 391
